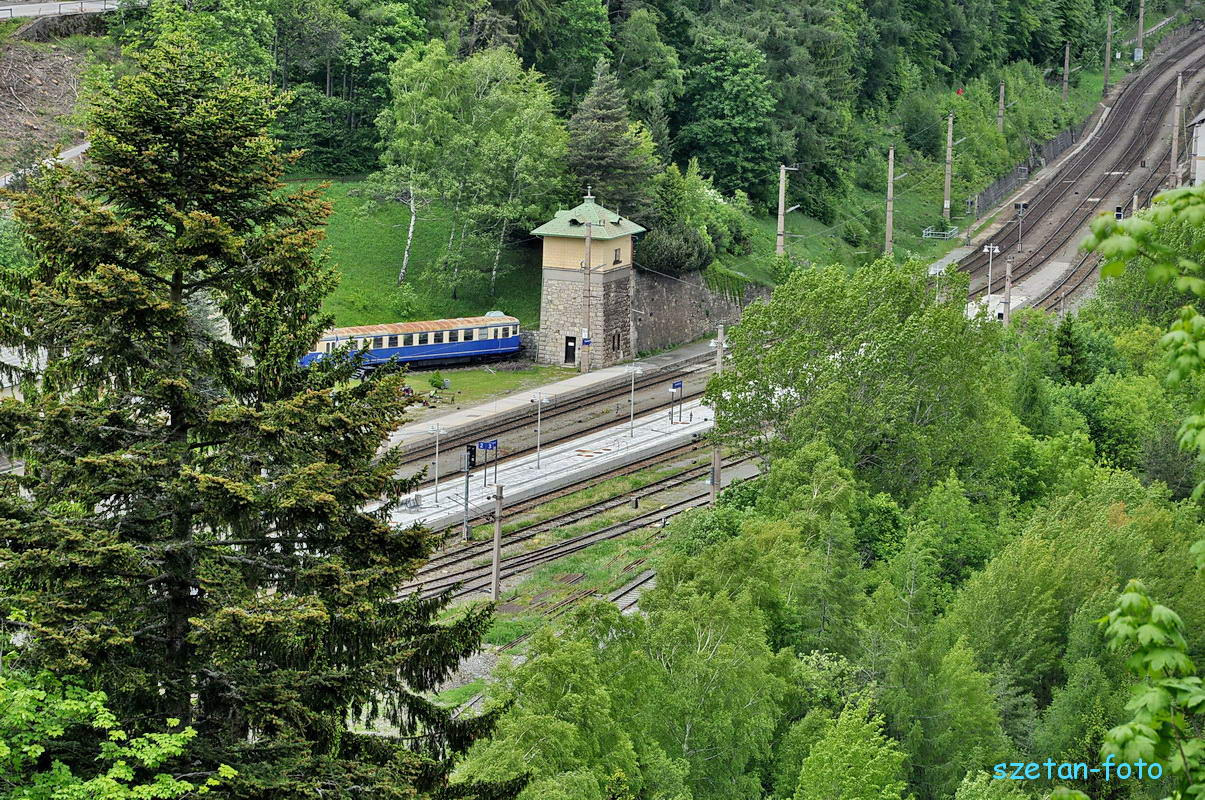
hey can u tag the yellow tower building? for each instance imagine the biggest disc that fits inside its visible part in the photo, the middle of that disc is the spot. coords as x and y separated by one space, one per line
586 311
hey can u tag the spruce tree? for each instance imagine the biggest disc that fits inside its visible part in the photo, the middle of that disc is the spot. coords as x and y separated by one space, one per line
610 152
199 530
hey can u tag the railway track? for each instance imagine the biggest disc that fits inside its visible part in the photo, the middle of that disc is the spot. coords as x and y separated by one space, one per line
465 580
1069 285
692 367
433 578
1066 189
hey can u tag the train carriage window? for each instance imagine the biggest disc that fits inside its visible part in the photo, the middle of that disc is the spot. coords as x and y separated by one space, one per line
366 344
408 340
393 341
467 335
422 338
483 333
378 342
440 337
329 347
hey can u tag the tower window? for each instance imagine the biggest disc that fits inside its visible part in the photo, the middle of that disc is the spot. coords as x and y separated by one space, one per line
617 258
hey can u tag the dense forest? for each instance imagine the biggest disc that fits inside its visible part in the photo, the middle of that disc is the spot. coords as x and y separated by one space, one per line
970 546
492 115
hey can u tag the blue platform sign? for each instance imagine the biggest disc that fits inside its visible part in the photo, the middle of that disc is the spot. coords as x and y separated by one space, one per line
492 444
585 342
677 384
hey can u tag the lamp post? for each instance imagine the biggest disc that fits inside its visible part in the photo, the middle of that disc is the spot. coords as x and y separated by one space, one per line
438 431
633 371
991 250
540 400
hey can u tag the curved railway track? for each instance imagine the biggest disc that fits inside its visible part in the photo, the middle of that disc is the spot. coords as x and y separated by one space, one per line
1119 129
1074 279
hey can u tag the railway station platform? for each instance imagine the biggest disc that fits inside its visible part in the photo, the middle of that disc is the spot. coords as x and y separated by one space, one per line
559 465
519 406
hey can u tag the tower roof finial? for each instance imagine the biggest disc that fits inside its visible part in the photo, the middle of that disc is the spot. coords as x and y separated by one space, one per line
588 196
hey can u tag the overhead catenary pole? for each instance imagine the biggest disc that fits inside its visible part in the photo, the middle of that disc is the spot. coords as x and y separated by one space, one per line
1000 110
780 244
496 572
1174 167
1138 51
1108 52
588 268
715 446
1066 67
467 473
1008 289
887 245
945 197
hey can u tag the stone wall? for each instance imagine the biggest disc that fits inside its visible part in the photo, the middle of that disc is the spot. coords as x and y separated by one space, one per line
561 315
668 312
671 311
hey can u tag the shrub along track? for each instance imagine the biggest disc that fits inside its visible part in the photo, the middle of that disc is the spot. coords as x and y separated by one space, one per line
1094 171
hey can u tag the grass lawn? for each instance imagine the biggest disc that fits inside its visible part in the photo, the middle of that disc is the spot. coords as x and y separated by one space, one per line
475 385
367 247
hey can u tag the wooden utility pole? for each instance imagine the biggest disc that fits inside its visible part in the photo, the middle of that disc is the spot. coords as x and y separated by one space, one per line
945 197
715 446
887 246
1000 110
588 266
1066 67
496 573
1174 168
1108 52
1008 289
1138 50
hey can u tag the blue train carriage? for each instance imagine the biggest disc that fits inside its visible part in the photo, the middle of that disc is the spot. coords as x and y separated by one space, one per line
441 341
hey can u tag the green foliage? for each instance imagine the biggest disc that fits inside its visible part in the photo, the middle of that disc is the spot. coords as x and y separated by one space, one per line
36 714
608 151
191 530
852 760
828 355
1164 241
481 134
674 249
725 106
1169 699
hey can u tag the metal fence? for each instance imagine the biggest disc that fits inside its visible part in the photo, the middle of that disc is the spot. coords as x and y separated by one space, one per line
1040 155
34 10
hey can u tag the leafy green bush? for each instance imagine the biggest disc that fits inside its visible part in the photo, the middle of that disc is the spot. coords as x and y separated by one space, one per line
675 248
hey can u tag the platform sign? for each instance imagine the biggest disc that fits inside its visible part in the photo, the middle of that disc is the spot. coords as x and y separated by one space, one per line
492 444
677 384
585 342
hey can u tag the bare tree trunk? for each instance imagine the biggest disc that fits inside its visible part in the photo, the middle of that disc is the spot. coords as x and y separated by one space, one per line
497 256
401 276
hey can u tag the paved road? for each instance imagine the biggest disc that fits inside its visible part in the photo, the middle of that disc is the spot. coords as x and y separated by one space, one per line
68 155
39 9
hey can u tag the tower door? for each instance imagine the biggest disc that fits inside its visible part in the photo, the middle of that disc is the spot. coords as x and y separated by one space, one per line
570 349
